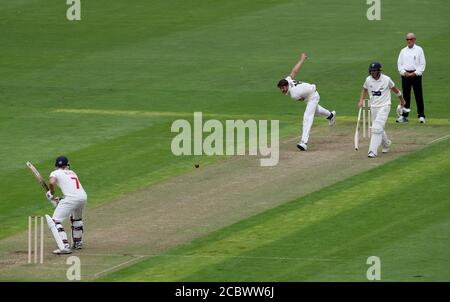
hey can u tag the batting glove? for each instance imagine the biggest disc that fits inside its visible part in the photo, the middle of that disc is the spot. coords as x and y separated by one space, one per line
49 196
399 110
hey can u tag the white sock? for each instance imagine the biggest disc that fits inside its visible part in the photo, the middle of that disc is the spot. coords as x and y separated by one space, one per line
322 111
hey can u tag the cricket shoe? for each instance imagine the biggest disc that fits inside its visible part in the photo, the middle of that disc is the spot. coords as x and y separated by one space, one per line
402 119
371 155
65 250
77 245
385 148
302 146
332 119
422 120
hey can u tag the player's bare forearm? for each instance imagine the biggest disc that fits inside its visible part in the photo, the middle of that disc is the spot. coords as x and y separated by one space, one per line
295 69
362 97
297 66
51 184
400 96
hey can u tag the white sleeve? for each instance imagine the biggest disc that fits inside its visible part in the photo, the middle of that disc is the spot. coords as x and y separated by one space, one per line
421 68
390 83
53 174
289 79
401 70
366 85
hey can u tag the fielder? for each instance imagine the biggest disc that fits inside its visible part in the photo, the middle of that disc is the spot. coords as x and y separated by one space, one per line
72 205
301 91
379 87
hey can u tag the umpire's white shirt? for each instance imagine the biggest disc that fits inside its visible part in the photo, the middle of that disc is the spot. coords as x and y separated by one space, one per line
379 90
69 184
411 59
298 90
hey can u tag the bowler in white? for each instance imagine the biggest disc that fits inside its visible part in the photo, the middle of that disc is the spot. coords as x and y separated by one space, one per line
305 92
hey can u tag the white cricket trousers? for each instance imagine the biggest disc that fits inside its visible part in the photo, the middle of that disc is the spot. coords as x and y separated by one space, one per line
379 119
312 108
68 207
73 208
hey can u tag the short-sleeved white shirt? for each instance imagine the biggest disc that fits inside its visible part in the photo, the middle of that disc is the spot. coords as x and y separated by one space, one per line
299 90
70 185
379 90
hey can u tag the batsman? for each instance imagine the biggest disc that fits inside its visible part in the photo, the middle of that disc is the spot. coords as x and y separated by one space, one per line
72 205
379 87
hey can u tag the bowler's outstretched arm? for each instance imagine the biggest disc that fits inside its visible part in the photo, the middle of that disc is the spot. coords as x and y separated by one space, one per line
297 66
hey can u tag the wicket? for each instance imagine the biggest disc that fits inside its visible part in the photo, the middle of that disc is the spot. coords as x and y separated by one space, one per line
369 119
366 126
37 220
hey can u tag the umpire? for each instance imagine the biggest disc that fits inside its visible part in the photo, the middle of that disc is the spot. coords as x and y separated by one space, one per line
411 65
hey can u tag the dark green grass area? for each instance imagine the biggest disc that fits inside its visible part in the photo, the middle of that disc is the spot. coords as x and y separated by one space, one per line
179 56
399 212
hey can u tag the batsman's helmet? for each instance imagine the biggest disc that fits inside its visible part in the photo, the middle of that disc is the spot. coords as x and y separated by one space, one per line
61 161
374 66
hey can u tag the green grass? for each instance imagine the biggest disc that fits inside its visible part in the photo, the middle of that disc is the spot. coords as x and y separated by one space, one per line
180 57
403 218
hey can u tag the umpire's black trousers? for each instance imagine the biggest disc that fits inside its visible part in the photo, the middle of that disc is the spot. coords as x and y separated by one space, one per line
416 83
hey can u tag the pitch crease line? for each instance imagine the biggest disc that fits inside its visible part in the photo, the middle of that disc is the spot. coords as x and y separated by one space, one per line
439 139
117 266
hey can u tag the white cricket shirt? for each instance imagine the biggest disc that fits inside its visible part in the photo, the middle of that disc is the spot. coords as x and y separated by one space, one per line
411 59
379 90
299 90
70 185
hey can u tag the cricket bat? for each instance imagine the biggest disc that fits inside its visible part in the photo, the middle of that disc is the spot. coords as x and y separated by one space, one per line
38 176
356 139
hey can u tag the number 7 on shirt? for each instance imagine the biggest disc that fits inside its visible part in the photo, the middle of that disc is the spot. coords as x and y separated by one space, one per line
77 183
